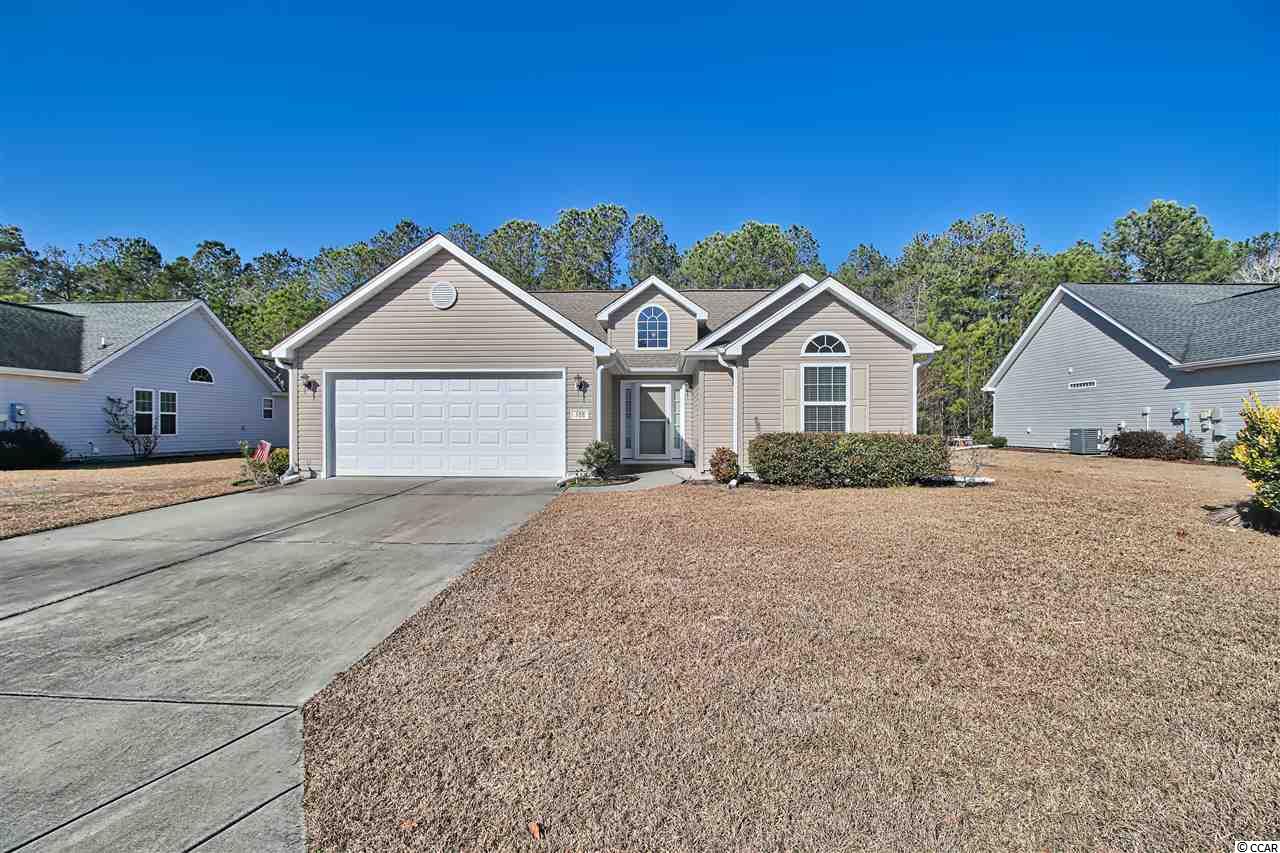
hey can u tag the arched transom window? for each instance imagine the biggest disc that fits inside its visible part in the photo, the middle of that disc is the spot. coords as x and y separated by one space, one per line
651 328
825 344
201 374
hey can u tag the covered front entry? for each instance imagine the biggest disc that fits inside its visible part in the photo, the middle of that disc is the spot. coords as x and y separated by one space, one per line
651 420
455 423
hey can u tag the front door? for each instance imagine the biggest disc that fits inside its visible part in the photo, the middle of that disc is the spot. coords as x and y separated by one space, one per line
650 421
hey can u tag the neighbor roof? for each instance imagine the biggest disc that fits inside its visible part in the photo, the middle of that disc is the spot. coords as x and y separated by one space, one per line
1193 322
119 324
1186 324
34 338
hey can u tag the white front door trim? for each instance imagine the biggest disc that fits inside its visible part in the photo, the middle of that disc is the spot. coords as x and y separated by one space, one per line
672 453
329 374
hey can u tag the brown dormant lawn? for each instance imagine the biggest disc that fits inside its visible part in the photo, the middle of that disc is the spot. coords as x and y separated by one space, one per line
1071 659
45 498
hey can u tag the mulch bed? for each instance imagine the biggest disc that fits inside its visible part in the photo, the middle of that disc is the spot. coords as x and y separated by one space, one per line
1072 658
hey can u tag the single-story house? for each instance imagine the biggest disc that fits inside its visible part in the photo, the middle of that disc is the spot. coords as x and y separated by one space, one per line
1167 357
440 366
190 382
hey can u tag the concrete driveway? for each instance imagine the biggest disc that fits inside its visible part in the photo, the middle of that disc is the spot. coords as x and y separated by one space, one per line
152 666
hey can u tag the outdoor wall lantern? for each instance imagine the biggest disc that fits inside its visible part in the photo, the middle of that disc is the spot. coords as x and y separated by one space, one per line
582 385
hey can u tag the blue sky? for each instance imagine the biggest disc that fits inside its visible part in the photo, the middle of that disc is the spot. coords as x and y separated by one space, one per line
269 127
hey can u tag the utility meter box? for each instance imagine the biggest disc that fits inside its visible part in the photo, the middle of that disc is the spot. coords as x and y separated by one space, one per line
19 413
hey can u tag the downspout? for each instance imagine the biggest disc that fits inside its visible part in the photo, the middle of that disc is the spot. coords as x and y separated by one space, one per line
293 414
600 398
915 392
733 373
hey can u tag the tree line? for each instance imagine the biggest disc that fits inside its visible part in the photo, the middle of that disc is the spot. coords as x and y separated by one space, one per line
972 288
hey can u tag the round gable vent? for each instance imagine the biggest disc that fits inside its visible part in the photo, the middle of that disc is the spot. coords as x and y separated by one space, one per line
443 295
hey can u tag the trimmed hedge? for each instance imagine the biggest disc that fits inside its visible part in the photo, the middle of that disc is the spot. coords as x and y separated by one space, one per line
28 447
1153 444
999 441
827 460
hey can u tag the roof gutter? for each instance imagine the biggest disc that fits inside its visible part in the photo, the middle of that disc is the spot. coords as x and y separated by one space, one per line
1192 366
32 373
915 392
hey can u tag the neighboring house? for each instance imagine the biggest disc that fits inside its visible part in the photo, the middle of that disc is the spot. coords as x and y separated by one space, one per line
1168 357
188 378
441 366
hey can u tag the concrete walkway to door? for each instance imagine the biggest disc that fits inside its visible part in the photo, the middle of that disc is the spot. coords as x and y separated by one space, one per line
152 665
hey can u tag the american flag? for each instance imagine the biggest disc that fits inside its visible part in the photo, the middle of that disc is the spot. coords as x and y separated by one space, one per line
263 453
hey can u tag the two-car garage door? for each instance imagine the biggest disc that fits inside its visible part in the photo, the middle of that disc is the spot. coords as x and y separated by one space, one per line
470 424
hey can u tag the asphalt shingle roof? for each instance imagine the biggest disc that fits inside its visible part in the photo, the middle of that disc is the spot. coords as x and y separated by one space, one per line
278 376
77 335
1193 322
582 306
38 339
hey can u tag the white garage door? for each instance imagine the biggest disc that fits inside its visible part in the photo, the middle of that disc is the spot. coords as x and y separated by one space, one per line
458 424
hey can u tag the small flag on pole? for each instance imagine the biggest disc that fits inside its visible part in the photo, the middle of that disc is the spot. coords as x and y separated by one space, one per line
263 453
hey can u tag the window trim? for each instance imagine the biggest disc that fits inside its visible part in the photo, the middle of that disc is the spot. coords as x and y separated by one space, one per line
268 408
805 404
636 333
160 414
212 378
151 411
804 350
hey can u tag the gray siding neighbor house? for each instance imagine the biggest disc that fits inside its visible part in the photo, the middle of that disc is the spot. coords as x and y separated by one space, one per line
1167 357
190 380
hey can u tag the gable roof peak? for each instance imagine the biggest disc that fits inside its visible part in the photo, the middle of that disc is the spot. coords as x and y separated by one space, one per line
654 282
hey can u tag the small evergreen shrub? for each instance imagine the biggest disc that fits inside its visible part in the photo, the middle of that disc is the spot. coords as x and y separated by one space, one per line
1183 446
28 447
1225 454
1153 444
724 465
278 461
599 457
826 460
1257 451
999 441
981 436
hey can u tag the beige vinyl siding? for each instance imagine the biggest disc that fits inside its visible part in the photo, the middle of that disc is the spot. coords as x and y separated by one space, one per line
716 412
887 361
399 329
682 327
610 418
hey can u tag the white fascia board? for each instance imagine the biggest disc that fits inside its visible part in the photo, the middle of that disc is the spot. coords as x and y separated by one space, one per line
438 243
920 345
1042 316
653 281
802 280
1230 361
32 373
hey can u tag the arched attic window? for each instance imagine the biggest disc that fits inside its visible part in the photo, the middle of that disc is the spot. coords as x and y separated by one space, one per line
651 328
825 343
201 374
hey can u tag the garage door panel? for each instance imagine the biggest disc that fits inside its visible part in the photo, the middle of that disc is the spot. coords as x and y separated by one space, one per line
463 425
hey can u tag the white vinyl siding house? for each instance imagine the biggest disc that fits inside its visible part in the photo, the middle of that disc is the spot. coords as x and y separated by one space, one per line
190 417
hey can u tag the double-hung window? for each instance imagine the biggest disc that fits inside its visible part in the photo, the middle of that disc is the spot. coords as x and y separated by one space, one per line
268 408
168 412
144 411
826 398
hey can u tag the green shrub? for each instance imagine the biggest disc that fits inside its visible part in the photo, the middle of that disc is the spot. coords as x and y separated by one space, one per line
724 465
278 461
981 436
1257 451
259 472
1183 446
1225 453
825 460
999 441
28 447
1153 444
598 457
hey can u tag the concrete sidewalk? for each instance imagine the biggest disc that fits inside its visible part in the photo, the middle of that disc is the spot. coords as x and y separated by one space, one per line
152 666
